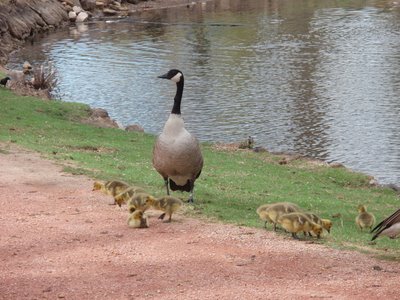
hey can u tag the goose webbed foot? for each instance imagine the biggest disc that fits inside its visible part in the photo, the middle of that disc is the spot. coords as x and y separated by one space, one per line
191 196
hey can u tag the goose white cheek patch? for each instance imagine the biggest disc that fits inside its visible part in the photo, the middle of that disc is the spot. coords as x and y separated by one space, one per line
177 77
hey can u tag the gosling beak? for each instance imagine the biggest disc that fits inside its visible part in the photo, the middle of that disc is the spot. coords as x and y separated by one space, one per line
165 76
329 231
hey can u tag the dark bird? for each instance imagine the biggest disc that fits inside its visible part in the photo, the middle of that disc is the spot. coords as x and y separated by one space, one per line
176 153
389 227
4 80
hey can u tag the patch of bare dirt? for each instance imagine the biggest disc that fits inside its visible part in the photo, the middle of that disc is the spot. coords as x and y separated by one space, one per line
60 240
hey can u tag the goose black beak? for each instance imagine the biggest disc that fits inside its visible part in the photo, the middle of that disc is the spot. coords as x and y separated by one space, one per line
165 76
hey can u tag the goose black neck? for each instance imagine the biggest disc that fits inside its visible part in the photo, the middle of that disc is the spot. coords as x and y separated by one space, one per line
176 109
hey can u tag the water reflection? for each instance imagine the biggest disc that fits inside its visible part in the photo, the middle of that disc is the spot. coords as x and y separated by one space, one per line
314 77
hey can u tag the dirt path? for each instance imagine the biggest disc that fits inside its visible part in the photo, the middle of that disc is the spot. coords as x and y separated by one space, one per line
61 240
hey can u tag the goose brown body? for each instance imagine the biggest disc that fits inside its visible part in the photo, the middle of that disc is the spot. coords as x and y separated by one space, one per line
176 154
388 227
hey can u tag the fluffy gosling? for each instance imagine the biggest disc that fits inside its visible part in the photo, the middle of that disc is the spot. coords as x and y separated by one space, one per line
112 188
167 204
140 201
138 219
275 210
364 218
263 214
325 223
127 194
298 222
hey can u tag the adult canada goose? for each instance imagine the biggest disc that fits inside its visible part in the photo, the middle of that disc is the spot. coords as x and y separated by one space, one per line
176 154
389 227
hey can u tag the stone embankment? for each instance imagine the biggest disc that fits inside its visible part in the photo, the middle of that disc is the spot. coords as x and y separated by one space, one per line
22 20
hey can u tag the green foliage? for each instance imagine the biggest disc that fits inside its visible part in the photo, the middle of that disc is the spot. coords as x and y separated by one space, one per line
231 187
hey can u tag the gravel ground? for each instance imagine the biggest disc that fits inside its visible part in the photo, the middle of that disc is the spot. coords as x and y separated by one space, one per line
61 240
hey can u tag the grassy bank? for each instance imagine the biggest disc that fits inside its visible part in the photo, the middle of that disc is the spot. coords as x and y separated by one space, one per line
231 187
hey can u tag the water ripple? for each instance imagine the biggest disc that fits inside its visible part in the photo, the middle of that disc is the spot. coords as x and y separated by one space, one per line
321 80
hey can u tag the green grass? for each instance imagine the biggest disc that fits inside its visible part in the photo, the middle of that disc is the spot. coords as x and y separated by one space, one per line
232 184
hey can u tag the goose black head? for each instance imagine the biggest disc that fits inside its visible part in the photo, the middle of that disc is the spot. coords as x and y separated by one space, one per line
174 75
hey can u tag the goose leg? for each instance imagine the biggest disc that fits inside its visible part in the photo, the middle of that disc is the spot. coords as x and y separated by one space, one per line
167 185
191 196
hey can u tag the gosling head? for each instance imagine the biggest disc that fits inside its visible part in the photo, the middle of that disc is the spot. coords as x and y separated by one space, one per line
174 75
361 208
150 200
139 214
317 230
327 224
97 186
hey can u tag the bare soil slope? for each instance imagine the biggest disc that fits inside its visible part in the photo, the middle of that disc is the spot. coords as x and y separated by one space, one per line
61 240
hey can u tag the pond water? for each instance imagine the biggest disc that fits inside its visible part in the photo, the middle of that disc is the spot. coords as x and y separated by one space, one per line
320 78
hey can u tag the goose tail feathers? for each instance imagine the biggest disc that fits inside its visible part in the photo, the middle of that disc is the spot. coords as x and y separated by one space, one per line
184 188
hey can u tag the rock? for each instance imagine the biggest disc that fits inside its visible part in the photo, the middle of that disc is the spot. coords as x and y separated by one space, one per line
72 16
71 2
82 17
117 7
17 75
52 13
99 117
67 7
99 113
110 12
134 127
88 4
77 9
133 1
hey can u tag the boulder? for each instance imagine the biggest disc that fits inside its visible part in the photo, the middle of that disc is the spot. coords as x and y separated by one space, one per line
99 113
110 12
82 17
88 4
99 117
72 16
51 12
77 9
